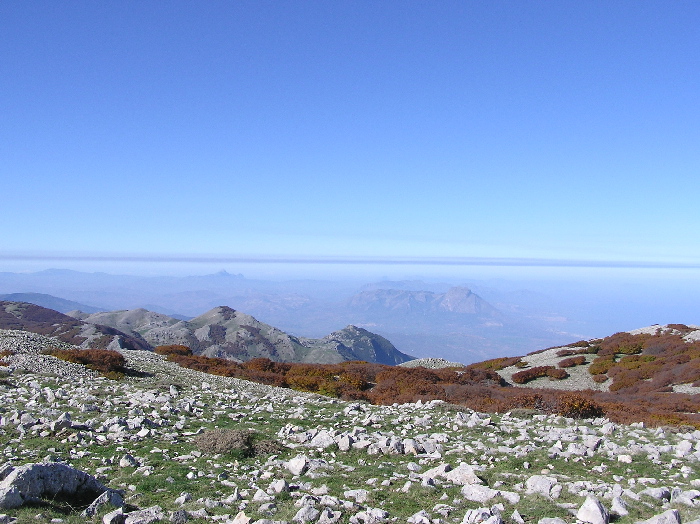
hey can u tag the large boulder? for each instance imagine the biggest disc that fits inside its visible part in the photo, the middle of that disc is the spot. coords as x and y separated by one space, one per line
34 482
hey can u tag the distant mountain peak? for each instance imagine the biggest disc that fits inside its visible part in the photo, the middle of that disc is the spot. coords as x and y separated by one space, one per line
225 274
457 299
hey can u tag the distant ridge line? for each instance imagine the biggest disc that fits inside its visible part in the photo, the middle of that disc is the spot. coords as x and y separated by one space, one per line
339 260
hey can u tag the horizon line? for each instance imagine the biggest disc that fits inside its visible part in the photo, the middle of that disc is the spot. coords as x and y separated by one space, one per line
340 260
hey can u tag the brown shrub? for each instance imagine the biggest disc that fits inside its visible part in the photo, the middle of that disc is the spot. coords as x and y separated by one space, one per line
599 379
557 374
267 447
580 344
578 405
496 364
173 349
569 352
104 361
601 365
571 362
225 441
525 376
5 353
266 365
622 343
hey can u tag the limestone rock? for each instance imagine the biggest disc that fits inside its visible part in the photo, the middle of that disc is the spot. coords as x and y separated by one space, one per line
241 518
179 517
109 497
114 517
619 507
477 493
667 517
462 475
306 514
475 516
360 495
593 511
145 516
298 465
37 481
540 484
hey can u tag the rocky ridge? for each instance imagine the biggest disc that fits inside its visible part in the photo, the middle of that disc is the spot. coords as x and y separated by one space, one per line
422 463
227 333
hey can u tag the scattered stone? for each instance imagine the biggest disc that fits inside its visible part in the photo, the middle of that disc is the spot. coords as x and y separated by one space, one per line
145 516
241 518
593 512
298 465
477 493
114 517
667 517
128 461
109 497
179 517
306 514
540 484
619 507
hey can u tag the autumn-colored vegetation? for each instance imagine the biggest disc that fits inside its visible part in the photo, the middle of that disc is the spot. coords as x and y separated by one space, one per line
173 349
572 362
496 364
109 363
4 353
646 363
525 376
639 368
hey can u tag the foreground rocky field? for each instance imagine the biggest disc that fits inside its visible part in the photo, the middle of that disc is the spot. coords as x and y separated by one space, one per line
149 438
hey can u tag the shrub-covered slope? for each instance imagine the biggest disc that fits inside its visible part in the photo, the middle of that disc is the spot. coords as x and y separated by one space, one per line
656 359
36 319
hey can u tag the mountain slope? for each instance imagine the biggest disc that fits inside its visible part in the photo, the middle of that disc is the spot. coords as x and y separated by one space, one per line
654 359
227 333
459 300
36 319
49 301
359 344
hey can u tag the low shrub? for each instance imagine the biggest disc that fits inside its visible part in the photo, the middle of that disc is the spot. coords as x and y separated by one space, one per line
601 365
570 352
557 374
527 375
5 353
173 349
572 362
622 343
496 364
577 405
230 441
109 363
580 344
267 447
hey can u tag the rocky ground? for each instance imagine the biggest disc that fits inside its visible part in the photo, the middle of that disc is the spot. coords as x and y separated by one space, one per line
341 462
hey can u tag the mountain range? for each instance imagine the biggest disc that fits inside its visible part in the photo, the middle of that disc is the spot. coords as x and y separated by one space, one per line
220 332
425 319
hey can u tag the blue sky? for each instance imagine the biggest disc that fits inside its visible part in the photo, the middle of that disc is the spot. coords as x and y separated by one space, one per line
559 130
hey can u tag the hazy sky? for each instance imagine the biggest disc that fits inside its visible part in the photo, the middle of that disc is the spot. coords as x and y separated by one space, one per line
542 129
